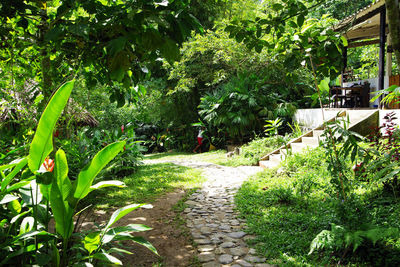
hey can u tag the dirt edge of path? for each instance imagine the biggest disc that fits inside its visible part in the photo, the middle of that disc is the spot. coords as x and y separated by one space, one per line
169 235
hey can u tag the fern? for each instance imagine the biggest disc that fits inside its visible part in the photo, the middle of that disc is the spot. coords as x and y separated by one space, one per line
340 238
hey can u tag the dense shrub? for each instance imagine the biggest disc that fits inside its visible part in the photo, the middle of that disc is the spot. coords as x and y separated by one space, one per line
252 152
287 207
82 147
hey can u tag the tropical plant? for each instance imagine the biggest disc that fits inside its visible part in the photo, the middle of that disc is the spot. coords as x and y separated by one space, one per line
340 143
382 158
272 126
35 189
339 237
342 147
296 130
234 107
390 95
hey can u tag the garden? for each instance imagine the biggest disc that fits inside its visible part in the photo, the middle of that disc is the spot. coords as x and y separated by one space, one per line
102 102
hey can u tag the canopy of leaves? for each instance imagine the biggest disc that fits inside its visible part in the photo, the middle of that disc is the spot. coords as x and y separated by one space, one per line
339 9
112 42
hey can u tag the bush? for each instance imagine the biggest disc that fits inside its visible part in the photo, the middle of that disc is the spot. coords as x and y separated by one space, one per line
82 147
36 189
252 152
287 207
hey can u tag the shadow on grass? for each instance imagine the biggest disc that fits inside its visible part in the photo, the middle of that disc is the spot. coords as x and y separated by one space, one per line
285 224
148 183
165 155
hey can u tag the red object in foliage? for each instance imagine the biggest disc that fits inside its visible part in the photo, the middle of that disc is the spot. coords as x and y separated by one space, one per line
56 133
48 164
122 128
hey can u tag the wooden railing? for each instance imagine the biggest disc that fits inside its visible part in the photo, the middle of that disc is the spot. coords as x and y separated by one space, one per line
394 80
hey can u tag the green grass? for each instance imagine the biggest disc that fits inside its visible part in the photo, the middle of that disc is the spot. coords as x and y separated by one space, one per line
286 209
216 157
148 183
251 153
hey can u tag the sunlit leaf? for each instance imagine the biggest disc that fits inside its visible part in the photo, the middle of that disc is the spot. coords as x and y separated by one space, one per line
42 143
85 179
107 258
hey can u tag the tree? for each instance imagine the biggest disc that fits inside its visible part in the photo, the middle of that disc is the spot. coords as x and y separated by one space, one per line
339 9
284 30
392 9
111 42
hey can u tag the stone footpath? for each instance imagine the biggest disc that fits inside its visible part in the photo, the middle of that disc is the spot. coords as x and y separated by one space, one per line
213 221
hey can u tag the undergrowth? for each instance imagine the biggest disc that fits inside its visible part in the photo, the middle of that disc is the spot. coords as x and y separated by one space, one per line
288 206
250 154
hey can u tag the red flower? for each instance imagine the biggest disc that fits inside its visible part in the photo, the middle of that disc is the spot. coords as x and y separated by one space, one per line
56 133
48 164
122 128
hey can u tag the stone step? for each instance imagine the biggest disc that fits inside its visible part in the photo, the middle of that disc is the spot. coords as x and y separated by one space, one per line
317 133
276 158
285 151
355 116
267 164
310 140
299 147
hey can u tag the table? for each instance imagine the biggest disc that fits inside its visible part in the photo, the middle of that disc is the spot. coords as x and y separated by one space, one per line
356 96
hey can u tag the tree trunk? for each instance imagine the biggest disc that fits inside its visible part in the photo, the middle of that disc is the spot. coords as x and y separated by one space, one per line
392 11
46 76
47 81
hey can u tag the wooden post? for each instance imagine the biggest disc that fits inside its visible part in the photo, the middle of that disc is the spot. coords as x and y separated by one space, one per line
344 65
382 40
388 57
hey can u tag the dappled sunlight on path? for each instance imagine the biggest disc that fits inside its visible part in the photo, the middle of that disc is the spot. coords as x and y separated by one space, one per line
212 219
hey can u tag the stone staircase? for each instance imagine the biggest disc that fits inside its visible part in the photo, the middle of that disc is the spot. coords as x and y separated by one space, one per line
360 122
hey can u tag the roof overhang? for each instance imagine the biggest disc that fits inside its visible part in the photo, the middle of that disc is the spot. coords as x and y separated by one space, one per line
364 24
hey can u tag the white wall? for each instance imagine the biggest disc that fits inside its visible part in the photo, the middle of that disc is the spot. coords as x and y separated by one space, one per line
311 118
373 87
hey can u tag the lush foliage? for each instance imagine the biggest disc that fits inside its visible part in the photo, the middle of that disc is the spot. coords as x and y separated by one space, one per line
82 146
113 51
286 31
251 153
239 106
287 207
36 189
339 9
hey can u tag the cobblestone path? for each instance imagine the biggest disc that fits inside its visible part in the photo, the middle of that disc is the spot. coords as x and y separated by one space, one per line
212 218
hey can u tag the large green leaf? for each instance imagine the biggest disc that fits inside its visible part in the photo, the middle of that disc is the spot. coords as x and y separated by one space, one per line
7 166
60 189
12 174
92 241
7 199
27 225
118 250
85 178
119 213
107 258
140 240
114 232
103 184
42 143
18 185
61 174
